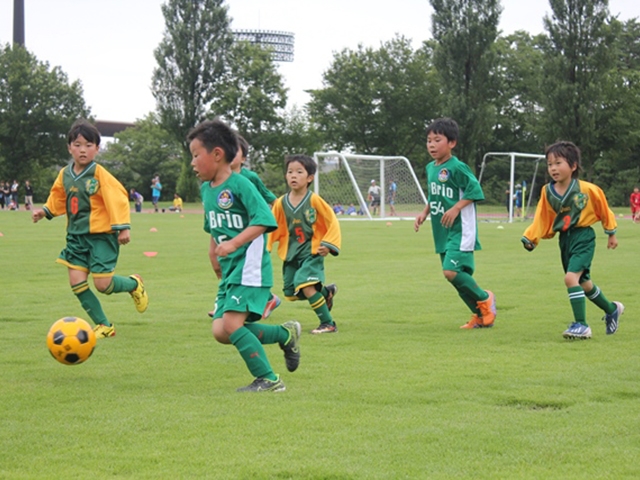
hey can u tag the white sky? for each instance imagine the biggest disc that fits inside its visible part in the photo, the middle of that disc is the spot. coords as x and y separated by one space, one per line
108 44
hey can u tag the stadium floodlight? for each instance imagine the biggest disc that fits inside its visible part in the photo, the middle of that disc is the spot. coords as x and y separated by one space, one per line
280 43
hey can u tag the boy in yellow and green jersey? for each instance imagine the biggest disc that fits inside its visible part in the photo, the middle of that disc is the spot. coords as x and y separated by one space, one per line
98 222
308 230
569 206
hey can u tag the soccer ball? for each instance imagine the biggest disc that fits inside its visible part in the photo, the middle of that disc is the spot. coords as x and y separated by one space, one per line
71 340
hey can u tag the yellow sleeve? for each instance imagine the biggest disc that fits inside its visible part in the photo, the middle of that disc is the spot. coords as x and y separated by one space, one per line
599 211
281 234
116 201
57 201
542 226
327 227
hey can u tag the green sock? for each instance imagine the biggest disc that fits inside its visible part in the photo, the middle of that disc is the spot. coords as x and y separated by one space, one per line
469 302
597 297
252 353
319 305
90 303
268 334
121 284
578 304
463 282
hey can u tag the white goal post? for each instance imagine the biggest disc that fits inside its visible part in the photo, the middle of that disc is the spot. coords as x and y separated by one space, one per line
524 174
344 179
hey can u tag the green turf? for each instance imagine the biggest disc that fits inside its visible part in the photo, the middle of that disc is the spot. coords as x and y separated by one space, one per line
399 392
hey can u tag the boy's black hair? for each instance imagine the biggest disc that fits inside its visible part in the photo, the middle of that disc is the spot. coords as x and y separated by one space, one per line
306 161
243 145
445 126
215 133
569 151
85 128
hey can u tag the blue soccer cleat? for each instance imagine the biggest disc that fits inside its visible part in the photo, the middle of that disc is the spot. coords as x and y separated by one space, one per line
611 319
577 330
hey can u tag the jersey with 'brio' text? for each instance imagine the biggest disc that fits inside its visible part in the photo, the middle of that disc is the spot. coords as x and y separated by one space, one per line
447 184
230 208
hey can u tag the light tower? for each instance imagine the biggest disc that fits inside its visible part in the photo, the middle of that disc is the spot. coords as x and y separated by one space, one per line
18 22
280 43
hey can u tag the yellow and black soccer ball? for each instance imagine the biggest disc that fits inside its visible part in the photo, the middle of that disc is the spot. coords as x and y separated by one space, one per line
71 340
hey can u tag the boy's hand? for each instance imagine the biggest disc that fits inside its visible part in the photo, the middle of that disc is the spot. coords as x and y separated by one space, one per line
323 251
527 244
449 217
420 219
225 248
37 215
124 237
612 243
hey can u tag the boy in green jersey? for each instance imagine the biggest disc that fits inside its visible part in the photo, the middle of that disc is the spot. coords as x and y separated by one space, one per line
570 206
452 192
237 218
308 230
98 222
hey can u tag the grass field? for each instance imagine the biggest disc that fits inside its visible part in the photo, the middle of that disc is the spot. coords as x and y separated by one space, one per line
399 392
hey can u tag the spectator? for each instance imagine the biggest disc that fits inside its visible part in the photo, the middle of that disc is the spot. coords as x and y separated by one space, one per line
28 195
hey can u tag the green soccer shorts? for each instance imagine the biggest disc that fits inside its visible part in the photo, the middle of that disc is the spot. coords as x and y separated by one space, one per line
577 248
240 298
96 253
458 261
298 274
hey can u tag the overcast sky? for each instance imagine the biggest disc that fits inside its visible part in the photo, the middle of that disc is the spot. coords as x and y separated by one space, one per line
108 44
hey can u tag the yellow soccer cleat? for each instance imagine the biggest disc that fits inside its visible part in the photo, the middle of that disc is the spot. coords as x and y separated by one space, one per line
139 295
103 331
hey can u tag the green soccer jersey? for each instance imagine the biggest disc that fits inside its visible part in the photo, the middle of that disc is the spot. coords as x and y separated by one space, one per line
229 209
447 184
268 196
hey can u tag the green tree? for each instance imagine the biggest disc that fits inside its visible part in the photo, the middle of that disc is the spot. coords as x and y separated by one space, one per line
578 81
191 62
143 151
376 102
465 32
37 107
518 75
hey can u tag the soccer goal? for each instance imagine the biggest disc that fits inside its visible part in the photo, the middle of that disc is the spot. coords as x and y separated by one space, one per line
344 179
511 184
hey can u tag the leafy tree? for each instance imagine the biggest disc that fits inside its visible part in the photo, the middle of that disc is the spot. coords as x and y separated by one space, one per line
141 152
578 80
518 76
376 102
465 32
37 107
191 62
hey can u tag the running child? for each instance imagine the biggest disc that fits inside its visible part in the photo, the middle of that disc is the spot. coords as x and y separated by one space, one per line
570 206
308 230
237 218
98 222
452 192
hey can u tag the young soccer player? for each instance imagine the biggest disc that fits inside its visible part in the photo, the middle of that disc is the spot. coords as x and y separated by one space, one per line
634 201
237 219
308 230
570 206
97 210
237 166
452 192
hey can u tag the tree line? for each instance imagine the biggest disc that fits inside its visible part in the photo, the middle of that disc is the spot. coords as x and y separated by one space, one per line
579 80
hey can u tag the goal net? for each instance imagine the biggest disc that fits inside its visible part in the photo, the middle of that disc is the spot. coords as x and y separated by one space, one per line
344 180
511 183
